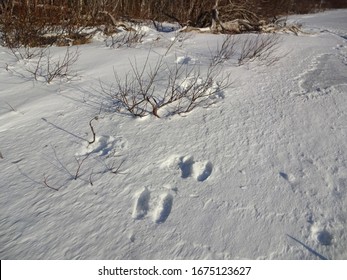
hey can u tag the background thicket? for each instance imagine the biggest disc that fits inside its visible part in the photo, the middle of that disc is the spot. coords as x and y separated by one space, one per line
26 22
182 9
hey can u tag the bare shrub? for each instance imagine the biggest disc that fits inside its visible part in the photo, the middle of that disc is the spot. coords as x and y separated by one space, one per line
261 47
243 49
225 51
45 67
126 39
197 89
134 92
25 53
143 91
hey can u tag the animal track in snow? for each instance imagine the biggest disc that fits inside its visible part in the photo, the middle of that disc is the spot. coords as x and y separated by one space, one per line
163 209
288 177
322 236
141 206
326 75
158 208
200 170
185 60
186 166
104 145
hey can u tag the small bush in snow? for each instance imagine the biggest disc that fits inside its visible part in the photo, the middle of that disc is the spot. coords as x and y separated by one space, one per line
247 48
126 38
144 90
261 47
225 51
43 66
25 53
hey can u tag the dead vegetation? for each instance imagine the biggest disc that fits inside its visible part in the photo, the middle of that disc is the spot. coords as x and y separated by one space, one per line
43 66
240 49
261 47
49 68
72 22
145 91
126 38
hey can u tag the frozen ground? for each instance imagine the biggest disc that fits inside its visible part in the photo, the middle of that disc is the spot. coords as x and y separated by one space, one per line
262 174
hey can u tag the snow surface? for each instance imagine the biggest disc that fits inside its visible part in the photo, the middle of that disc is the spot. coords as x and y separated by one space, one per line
261 174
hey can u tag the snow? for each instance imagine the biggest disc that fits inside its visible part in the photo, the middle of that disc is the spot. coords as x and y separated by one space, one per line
260 174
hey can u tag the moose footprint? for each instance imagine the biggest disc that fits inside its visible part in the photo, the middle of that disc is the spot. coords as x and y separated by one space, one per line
200 170
103 146
141 204
186 166
163 209
322 235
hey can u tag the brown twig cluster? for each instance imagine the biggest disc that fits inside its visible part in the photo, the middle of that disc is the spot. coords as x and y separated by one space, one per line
28 23
41 65
143 91
260 47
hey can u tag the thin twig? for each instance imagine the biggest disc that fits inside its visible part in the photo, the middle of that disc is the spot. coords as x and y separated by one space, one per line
47 185
79 165
117 169
92 129
90 178
9 105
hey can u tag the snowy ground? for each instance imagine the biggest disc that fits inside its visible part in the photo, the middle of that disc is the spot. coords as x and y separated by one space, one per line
262 174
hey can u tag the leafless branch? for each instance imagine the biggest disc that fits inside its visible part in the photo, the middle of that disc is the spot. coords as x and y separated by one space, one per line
143 91
49 68
79 163
90 179
225 51
92 129
9 105
179 38
117 170
261 47
47 185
